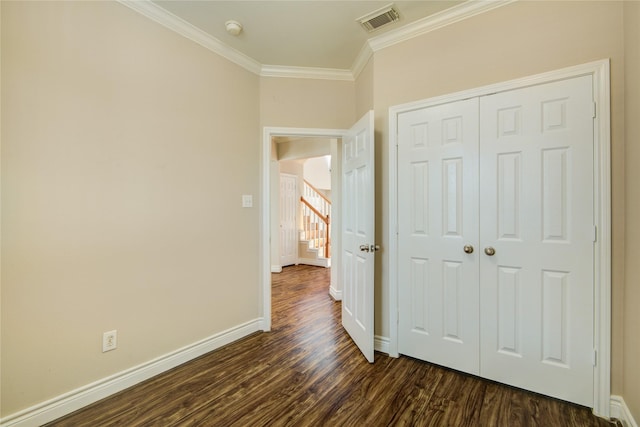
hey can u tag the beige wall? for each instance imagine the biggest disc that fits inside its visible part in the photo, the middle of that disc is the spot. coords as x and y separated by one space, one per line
302 148
631 338
521 39
116 136
306 103
364 89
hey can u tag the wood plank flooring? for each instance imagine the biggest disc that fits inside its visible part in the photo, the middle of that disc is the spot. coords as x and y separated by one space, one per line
308 372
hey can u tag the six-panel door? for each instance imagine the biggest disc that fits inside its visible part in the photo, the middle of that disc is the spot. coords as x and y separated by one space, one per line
536 211
438 211
358 232
518 188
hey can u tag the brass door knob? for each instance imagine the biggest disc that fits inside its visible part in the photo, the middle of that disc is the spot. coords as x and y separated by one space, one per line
489 251
468 249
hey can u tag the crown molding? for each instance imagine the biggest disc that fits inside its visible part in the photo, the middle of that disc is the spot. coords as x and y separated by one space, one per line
447 17
433 22
361 60
182 27
306 72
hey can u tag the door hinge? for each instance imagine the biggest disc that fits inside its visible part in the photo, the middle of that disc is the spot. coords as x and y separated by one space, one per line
595 233
595 110
595 357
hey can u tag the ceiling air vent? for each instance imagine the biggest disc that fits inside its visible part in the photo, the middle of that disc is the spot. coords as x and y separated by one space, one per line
376 19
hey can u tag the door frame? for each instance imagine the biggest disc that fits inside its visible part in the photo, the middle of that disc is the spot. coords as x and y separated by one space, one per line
599 70
265 212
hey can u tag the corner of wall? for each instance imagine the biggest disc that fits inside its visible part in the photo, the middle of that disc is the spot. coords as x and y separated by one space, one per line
620 411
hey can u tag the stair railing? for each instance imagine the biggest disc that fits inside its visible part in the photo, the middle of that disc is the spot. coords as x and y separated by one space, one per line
316 198
316 211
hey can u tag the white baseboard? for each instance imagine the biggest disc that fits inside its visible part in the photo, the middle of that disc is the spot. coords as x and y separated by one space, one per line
83 396
620 411
72 401
335 294
317 262
276 269
381 344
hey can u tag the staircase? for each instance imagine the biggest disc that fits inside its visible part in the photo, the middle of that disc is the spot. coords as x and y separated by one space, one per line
314 244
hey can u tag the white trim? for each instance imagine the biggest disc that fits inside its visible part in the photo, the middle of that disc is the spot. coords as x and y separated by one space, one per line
602 188
602 307
381 344
316 262
335 294
436 21
72 401
169 20
449 16
265 235
305 72
276 269
392 227
620 410
361 60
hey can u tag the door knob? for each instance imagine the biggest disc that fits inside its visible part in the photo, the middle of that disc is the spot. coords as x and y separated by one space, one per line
468 249
489 251
364 248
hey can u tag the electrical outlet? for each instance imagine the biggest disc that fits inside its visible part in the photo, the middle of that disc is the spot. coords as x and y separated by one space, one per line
109 341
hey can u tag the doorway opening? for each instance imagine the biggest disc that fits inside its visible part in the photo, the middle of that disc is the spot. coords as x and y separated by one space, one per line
285 151
352 172
304 209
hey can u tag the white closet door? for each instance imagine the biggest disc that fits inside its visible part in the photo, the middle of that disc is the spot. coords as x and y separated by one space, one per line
438 216
536 180
288 221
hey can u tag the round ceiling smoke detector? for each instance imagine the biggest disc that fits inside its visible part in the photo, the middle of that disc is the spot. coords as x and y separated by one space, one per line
233 27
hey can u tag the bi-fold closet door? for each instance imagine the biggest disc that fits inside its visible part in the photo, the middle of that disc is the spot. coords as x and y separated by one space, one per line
496 237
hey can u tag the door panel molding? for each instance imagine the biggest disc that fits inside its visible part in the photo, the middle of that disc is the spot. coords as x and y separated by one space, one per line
599 70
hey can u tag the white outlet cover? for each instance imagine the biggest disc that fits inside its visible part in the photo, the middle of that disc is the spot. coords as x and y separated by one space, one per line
109 340
247 201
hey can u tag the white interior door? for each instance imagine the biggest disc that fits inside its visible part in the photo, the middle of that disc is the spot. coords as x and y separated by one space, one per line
358 234
288 222
537 214
438 220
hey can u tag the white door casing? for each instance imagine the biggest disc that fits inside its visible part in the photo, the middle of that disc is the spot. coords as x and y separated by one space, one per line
438 214
270 176
288 219
358 234
536 212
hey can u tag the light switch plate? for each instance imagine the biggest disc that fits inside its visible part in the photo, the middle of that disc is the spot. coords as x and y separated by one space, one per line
247 201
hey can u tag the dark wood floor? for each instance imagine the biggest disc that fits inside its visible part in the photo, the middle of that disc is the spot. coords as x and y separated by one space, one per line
307 372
